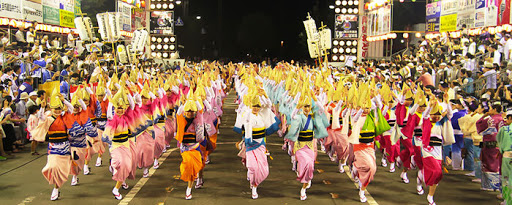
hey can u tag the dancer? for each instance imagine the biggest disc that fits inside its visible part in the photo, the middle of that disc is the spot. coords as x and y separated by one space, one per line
504 139
256 122
488 126
306 125
337 141
102 120
437 132
117 133
53 129
93 111
190 133
413 130
391 147
402 112
364 130
79 125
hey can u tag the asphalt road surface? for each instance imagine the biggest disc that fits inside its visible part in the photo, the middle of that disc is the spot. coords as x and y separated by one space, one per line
225 181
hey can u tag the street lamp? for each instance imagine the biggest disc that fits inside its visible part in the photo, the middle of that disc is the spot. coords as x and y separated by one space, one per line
331 6
198 17
178 2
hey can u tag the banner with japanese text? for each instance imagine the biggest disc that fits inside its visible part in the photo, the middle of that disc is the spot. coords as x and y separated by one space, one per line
433 16
11 9
67 18
448 23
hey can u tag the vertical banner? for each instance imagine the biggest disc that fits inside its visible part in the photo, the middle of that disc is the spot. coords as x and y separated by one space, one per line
138 19
503 12
11 9
491 15
33 11
78 7
125 11
480 11
379 21
433 16
466 14
362 46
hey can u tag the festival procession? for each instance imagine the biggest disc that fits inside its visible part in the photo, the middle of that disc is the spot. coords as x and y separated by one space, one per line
229 102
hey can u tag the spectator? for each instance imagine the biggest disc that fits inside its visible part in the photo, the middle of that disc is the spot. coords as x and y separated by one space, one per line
71 40
507 47
21 109
10 144
20 37
26 86
467 82
64 87
36 114
32 97
31 36
41 96
490 75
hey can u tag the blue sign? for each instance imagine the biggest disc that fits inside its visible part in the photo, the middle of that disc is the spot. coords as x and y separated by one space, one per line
179 22
480 4
433 16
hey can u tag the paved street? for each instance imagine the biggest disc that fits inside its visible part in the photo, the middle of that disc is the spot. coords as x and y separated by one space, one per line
21 181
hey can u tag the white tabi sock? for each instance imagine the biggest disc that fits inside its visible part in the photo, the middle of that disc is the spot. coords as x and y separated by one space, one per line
430 199
189 191
254 190
115 191
361 193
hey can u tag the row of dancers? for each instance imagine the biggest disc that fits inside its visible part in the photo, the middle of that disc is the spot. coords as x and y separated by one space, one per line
135 116
350 118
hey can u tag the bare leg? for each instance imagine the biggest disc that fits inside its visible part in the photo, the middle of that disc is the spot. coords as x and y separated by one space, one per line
118 184
403 175
201 174
2 151
188 193
115 191
303 195
432 190
33 146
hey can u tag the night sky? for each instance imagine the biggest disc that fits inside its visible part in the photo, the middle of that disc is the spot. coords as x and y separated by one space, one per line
234 28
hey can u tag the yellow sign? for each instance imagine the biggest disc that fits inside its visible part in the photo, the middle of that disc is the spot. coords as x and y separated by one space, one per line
448 23
50 86
67 18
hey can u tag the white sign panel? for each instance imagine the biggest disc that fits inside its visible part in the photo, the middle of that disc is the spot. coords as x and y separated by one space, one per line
32 11
449 7
52 3
68 5
491 15
466 14
125 11
11 9
480 10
